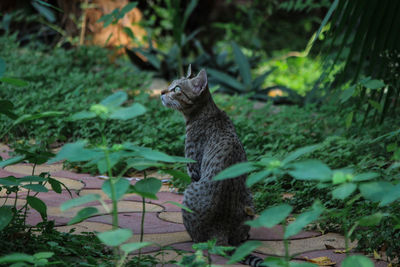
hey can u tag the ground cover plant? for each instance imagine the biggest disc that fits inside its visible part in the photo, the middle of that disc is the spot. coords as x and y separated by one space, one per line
333 163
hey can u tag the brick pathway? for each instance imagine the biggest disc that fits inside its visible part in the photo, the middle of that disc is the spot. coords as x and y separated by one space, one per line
163 221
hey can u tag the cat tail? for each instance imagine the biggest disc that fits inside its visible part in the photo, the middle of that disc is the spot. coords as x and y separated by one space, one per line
252 260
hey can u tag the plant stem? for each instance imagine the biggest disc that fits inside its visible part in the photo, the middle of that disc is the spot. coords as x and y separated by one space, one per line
112 186
142 222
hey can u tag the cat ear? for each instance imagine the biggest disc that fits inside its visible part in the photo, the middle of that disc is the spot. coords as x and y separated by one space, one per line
189 74
200 82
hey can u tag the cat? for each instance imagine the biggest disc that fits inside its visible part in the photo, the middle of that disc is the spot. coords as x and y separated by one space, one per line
220 208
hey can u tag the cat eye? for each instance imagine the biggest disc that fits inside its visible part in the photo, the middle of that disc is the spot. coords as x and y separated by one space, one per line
177 89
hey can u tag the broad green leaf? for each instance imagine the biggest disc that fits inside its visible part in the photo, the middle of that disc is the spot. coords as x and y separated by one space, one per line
79 201
342 176
6 216
130 247
2 67
38 205
225 79
36 187
17 257
300 152
55 185
9 181
156 155
376 105
129 112
271 216
121 187
113 158
83 214
11 161
310 170
127 8
182 159
256 177
179 205
31 179
129 32
365 176
147 188
301 221
44 11
43 255
13 81
371 220
235 171
244 250
115 100
74 152
391 196
357 261
82 115
346 94
373 84
143 164
30 117
302 264
115 237
375 191
243 64
179 175
344 190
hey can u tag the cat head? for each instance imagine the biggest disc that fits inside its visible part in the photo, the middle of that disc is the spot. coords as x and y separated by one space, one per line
187 93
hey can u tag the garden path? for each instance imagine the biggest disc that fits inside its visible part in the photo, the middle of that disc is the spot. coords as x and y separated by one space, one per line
163 221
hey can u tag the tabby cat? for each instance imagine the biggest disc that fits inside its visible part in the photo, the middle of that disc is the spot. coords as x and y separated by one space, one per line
220 208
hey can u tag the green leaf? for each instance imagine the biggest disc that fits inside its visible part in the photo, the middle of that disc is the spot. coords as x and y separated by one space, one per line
302 264
55 185
79 201
9 181
147 188
156 155
357 261
375 191
44 11
244 250
30 117
17 257
310 170
179 175
271 216
301 221
38 205
226 80
235 171
11 161
371 220
300 152
346 94
390 196
6 216
349 119
127 8
31 179
128 113
36 187
75 152
113 158
121 187
2 67
376 105
365 176
6 108
344 190
243 63
115 100
373 84
256 177
82 115
43 255
179 205
115 237
130 247
83 214
13 81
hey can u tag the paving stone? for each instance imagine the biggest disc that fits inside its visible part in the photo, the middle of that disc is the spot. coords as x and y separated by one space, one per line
335 257
123 206
152 224
85 227
89 180
4 149
10 201
171 216
276 233
27 168
5 173
303 245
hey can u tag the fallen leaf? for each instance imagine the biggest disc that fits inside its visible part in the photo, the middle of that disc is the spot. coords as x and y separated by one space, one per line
329 246
321 261
340 251
376 255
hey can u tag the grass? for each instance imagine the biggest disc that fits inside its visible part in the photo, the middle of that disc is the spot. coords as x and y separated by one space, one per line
72 80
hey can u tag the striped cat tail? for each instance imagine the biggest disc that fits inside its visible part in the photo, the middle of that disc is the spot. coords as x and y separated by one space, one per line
252 260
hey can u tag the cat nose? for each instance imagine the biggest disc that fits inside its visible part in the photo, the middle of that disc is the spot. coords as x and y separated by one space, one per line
163 92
